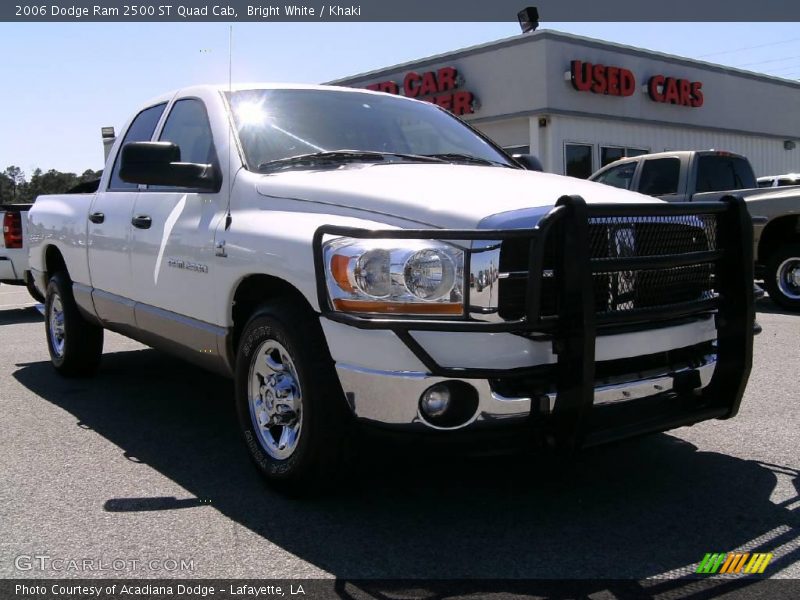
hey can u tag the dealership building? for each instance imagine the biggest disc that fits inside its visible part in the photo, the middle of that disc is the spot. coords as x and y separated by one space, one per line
580 103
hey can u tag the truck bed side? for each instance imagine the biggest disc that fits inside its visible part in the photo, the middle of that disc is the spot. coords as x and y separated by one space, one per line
59 222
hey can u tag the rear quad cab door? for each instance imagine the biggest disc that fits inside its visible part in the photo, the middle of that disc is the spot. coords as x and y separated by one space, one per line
109 230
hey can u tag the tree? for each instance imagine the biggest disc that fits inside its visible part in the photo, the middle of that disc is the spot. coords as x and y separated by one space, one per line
14 187
6 188
16 178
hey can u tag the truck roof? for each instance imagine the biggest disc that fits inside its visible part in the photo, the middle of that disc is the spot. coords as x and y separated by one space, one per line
669 154
680 154
224 87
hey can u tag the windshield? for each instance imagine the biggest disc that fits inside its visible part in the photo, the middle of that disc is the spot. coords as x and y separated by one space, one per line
278 124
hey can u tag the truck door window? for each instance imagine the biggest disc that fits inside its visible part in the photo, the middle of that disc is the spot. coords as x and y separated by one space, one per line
719 173
140 130
620 176
660 176
187 126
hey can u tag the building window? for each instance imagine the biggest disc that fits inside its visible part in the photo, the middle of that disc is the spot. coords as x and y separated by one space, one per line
578 160
609 154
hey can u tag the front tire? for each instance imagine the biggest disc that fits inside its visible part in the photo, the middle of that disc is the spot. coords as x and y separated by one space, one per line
75 344
782 278
289 401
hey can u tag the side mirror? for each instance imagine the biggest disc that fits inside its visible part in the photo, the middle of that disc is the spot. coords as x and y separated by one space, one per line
528 161
158 163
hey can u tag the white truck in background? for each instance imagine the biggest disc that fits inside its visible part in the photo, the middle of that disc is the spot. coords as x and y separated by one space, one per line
356 259
13 248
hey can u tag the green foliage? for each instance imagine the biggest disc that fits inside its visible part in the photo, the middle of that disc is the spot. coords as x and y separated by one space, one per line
14 187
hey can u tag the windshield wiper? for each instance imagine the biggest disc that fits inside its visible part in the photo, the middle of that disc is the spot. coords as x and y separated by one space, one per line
454 157
343 156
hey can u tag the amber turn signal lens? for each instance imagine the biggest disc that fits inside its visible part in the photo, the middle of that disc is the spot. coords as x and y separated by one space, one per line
402 308
339 265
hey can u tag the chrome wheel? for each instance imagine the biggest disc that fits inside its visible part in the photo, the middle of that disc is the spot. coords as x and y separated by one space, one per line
55 325
275 400
788 278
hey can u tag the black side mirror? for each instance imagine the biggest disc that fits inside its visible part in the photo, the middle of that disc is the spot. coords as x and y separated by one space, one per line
528 161
158 163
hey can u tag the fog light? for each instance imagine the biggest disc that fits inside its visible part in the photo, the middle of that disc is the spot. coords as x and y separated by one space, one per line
435 401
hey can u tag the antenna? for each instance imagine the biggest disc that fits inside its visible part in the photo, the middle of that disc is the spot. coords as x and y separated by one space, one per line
230 126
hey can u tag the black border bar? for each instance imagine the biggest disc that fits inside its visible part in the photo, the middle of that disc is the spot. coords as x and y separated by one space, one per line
441 11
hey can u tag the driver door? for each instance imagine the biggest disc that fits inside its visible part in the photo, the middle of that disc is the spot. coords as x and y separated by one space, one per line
173 256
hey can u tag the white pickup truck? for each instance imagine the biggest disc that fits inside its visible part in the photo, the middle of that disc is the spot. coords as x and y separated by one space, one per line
13 248
352 258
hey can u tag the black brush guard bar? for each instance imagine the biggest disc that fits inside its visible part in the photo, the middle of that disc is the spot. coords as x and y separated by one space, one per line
574 328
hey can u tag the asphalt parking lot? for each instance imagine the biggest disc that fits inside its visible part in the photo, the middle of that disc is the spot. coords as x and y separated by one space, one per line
143 462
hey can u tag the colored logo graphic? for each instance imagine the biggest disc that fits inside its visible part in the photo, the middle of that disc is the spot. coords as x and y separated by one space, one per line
734 562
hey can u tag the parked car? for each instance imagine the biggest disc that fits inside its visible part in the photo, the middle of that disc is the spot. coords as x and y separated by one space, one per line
778 180
320 245
709 175
13 248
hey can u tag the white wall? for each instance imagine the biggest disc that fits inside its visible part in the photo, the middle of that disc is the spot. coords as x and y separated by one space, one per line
509 132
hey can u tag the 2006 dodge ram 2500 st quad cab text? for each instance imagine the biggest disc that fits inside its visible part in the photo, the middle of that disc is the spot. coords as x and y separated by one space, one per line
700 176
354 258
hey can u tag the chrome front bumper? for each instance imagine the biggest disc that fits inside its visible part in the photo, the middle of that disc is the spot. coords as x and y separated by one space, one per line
392 398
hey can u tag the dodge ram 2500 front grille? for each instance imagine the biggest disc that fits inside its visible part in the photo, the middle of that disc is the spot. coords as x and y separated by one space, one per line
616 238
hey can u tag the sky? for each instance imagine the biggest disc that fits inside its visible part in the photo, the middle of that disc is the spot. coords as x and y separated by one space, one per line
64 81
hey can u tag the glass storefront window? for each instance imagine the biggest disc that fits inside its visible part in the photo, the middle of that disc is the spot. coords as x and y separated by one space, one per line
578 160
609 154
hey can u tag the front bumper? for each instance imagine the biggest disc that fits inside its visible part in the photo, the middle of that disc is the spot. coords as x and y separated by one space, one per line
576 400
392 398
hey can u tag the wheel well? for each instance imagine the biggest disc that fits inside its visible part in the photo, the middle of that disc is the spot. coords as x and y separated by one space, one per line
54 262
778 232
253 291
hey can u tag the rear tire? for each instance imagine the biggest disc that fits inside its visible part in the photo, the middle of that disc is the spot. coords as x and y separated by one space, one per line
289 401
782 277
75 344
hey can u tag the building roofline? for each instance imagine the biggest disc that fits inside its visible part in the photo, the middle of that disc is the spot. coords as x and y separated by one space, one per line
544 34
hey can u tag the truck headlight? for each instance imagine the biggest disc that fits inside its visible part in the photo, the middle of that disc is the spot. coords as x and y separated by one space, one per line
407 277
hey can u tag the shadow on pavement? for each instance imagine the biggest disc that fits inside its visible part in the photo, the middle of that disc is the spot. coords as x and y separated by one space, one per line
765 305
631 510
14 316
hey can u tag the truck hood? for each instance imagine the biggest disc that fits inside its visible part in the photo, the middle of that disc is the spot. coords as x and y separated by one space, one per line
438 195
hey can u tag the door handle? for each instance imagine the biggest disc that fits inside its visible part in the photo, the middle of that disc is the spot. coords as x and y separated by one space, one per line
97 217
142 222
